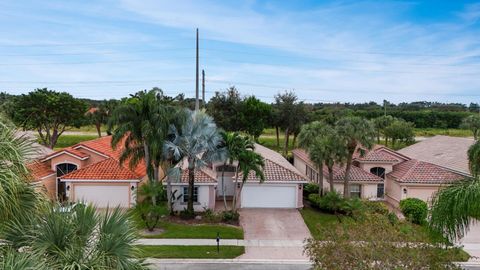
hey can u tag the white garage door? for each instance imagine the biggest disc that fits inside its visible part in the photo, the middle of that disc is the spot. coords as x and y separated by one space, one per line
103 195
269 196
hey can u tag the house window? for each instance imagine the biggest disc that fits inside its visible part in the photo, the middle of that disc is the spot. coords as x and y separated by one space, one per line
355 191
185 194
63 169
378 171
380 190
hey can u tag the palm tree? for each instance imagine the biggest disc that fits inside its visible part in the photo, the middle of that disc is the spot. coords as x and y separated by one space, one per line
198 142
78 238
248 161
142 125
457 205
355 132
233 144
310 138
335 152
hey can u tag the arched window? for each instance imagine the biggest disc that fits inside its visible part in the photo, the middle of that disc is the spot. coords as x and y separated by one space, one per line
378 171
62 169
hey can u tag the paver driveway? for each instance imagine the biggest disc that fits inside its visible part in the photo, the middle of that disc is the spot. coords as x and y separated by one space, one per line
274 224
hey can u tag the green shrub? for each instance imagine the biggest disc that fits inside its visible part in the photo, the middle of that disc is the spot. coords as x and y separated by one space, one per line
414 210
353 207
185 214
392 218
230 216
376 207
210 216
331 202
314 199
310 188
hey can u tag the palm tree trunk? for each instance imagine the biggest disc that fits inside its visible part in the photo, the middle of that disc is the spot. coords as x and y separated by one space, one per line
234 203
223 186
346 183
320 180
278 136
98 126
330 178
150 171
191 186
285 147
294 139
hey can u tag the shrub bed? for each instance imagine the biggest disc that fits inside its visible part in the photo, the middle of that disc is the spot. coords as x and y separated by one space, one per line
414 210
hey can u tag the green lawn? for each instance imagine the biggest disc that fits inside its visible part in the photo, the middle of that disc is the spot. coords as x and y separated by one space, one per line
270 141
427 132
69 140
315 219
89 128
191 252
176 230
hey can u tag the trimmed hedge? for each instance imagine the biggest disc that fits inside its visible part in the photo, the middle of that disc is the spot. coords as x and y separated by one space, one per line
414 210
310 188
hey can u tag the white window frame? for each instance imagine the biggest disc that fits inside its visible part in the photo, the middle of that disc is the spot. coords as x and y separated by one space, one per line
185 194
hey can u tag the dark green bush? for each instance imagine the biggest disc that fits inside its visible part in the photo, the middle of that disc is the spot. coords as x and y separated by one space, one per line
414 210
352 207
331 202
210 216
310 188
185 214
314 200
376 207
230 216
392 218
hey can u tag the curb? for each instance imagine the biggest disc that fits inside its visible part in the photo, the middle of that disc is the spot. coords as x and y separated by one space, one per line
228 261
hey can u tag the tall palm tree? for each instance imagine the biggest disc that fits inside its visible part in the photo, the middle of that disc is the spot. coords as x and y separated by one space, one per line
355 132
198 143
335 153
233 144
457 205
142 125
310 138
248 161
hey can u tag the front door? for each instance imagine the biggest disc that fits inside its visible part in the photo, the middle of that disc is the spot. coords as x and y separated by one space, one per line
63 169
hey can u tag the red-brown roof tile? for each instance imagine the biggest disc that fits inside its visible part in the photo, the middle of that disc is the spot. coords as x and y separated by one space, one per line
379 156
39 169
415 171
108 169
200 177
276 173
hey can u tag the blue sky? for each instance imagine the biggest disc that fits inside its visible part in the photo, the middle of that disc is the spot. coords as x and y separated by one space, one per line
347 51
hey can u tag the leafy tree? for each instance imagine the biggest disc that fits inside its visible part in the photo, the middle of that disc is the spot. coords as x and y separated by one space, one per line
400 130
150 213
233 143
253 116
290 115
99 115
224 108
472 122
198 143
355 132
382 246
456 206
49 113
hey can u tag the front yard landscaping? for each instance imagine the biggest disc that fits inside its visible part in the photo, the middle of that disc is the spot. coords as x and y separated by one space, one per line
197 231
190 252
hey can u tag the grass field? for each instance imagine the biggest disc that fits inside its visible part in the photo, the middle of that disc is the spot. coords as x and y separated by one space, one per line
191 252
67 140
207 231
428 132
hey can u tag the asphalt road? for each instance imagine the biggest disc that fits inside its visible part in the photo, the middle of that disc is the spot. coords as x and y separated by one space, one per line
195 265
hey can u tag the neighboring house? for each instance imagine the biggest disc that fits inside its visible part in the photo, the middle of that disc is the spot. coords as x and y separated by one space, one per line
90 172
445 151
38 150
282 188
383 173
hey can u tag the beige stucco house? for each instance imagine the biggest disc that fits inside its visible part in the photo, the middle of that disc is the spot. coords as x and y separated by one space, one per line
91 172
385 174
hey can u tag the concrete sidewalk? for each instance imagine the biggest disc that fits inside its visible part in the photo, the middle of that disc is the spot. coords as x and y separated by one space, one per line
223 242
231 264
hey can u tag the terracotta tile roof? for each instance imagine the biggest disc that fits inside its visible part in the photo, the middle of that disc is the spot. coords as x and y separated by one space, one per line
446 151
275 172
200 177
103 146
69 150
379 156
356 174
108 169
39 169
415 171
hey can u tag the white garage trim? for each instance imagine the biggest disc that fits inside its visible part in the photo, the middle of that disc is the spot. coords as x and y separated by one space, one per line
102 196
269 196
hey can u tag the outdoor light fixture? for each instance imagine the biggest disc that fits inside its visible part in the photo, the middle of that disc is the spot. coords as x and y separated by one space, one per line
68 187
404 191
132 188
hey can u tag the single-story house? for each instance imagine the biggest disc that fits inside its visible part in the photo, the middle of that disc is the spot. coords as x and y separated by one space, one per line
91 172
384 174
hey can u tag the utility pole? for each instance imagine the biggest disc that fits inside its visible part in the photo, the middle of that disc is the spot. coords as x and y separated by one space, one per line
197 106
203 88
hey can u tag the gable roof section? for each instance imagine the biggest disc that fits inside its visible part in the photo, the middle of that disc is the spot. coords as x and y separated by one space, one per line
382 154
421 172
446 151
108 169
356 174
200 177
69 151
39 169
